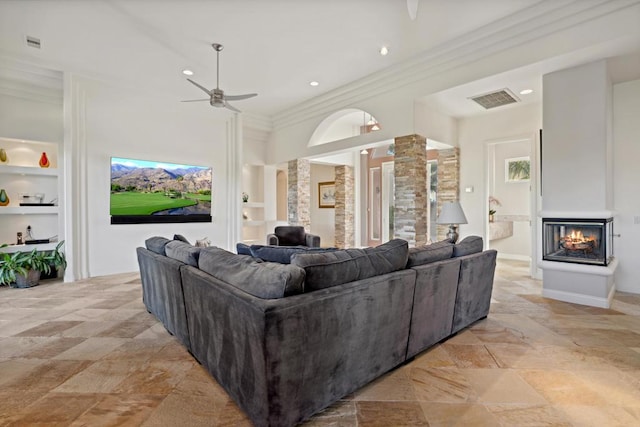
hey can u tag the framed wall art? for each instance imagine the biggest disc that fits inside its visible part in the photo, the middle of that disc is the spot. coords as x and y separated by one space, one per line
327 194
517 169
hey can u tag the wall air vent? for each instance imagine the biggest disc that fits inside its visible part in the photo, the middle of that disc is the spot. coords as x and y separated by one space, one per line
33 42
495 99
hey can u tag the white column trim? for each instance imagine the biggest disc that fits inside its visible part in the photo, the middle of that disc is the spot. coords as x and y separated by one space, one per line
234 180
75 194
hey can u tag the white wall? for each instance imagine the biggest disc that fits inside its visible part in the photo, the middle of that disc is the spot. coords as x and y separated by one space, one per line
575 138
626 131
435 125
30 119
323 221
474 135
124 124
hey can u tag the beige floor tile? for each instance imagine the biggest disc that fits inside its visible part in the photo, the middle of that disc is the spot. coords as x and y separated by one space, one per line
9 328
47 376
441 385
435 357
119 410
616 388
505 386
55 409
13 369
464 337
100 377
562 388
470 356
384 414
523 415
155 378
395 386
458 414
599 416
89 328
48 329
93 348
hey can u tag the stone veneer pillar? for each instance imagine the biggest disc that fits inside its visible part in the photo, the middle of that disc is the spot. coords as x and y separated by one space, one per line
448 183
345 206
410 170
299 193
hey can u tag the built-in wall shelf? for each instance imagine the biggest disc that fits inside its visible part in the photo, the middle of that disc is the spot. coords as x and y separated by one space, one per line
29 210
28 248
28 170
24 181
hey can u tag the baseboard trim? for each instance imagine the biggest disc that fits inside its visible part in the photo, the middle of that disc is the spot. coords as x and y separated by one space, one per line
579 298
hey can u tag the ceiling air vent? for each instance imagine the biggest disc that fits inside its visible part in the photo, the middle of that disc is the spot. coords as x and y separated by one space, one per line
33 42
495 99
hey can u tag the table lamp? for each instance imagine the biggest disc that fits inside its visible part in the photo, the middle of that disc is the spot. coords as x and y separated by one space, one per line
453 215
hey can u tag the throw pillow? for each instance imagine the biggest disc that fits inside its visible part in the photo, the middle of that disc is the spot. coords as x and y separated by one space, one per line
243 249
430 253
180 238
157 244
467 246
203 243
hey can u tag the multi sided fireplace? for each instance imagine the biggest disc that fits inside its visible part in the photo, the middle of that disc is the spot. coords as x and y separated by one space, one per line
582 241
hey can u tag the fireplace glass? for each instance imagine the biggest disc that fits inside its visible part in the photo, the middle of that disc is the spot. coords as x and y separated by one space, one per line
582 241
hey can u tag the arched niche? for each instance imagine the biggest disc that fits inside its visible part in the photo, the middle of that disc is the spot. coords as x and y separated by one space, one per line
343 124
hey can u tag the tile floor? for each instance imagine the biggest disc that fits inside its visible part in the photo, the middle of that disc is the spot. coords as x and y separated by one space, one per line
88 354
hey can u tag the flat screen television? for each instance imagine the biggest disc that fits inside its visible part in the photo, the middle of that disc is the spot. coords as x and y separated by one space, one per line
144 191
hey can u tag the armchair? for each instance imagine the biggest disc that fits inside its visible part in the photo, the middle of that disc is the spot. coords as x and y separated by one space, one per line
292 235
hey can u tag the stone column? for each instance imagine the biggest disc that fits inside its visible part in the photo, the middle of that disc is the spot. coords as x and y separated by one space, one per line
299 193
344 211
448 183
410 170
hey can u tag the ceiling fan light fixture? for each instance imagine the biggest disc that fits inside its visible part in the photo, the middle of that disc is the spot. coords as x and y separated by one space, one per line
364 151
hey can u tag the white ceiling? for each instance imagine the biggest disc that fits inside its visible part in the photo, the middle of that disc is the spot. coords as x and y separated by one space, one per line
272 47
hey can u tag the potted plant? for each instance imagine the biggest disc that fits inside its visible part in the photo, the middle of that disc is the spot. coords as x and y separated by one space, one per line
24 268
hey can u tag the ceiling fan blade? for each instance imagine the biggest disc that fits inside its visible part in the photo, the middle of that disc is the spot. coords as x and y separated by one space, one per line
239 97
201 87
195 100
231 107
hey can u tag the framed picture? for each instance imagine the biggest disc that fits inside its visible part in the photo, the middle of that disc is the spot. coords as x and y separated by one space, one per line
327 194
517 169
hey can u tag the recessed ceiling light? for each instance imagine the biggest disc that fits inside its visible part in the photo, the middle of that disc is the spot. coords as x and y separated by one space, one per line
384 51
526 91
314 83
187 72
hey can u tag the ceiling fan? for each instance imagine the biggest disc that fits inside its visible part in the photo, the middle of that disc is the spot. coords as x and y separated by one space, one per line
217 98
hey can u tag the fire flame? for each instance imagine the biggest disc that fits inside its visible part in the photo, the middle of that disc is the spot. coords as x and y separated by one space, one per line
576 236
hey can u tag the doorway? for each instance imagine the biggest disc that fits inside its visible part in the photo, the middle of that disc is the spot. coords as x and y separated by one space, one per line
509 218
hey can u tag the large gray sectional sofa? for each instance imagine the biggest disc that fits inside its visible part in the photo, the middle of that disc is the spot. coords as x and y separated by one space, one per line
288 340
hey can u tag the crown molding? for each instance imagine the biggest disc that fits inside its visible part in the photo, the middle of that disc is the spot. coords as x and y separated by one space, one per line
23 80
535 22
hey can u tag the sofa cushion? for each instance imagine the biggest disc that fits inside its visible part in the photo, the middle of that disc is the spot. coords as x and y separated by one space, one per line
183 252
267 280
282 254
327 269
157 244
467 246
430 253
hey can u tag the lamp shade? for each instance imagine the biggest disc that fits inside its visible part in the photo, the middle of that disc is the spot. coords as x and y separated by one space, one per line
451 213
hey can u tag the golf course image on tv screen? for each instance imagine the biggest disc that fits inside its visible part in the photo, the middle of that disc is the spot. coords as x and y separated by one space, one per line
144 191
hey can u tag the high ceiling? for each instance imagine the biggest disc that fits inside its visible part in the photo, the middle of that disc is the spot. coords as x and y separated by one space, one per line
272 47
